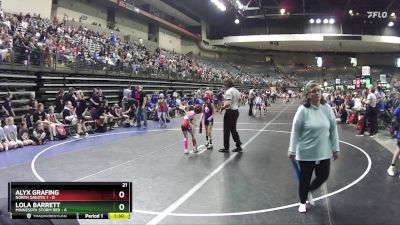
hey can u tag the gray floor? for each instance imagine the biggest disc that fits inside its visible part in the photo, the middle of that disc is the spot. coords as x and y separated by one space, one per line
167 181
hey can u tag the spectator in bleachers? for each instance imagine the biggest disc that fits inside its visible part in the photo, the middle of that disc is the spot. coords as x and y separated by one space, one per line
47 57
10 131
52 118
102 98
68 114
32 103
59 102
7 106
39 135
40 117
131 113
95 99
23 134
102 117
70 96
109 115
116 112
4 143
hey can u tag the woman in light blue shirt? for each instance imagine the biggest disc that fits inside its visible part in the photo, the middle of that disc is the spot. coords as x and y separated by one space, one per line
313 141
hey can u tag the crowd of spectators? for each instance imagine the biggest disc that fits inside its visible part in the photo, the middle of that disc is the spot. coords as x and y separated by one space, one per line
32 40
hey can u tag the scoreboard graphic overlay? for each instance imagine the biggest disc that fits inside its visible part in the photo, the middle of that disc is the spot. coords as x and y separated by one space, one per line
70 200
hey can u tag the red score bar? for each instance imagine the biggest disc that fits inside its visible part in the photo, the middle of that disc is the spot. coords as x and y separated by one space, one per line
88 195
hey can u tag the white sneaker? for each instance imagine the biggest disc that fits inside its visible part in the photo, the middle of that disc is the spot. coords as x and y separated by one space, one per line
186 152
195 150
86 135
302 208
391 171
310 199
116 125
77 136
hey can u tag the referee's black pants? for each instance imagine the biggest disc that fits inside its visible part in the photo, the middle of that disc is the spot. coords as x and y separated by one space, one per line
251 104
230 121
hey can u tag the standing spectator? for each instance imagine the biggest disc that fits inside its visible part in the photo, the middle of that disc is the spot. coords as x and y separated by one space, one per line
142 109
370 114
126 97
231 104
60 101
7 106
70 96
392 168
252 96
102 98
31 103
81 109
313 141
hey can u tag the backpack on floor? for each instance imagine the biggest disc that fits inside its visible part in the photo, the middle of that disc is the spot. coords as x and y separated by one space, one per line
360 123
101 128
353 118
61 133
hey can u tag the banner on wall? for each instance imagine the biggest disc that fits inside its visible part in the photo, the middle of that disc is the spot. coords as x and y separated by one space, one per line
382 78
358 83
366 71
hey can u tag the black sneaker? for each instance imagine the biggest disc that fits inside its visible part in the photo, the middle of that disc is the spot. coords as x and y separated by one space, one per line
223 150
238 149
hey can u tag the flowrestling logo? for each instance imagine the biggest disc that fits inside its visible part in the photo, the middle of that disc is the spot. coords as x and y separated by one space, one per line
377 14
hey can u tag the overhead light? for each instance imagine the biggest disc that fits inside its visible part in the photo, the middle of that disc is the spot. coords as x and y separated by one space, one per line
331 21
351 12
326 21
283 11
397 62
237 21
390 24
219 5
239 4
311 21
318 21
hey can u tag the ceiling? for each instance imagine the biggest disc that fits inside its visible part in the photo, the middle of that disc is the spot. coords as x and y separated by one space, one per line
321 46
204 9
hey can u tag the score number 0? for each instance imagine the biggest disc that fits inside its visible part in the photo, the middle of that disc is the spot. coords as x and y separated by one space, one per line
122 195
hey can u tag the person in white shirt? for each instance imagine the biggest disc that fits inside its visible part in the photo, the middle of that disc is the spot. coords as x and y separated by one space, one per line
370 114
231 104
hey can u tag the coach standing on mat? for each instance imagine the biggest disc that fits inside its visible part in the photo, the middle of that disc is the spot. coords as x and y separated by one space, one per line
231 104
314 140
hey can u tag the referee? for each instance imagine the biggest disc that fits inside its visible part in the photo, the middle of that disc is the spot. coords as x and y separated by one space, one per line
231 104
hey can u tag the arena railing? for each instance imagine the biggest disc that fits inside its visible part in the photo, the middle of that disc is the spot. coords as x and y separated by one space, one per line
34 59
